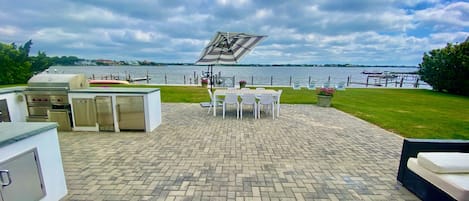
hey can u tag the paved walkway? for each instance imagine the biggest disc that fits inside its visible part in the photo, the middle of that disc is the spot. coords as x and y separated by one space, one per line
309 153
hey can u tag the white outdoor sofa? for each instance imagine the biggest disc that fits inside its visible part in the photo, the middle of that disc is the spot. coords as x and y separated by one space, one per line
435 169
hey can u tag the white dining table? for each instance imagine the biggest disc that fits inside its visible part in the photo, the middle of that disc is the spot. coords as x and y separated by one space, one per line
239 92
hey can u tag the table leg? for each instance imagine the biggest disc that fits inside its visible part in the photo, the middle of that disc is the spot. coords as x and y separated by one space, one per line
214 105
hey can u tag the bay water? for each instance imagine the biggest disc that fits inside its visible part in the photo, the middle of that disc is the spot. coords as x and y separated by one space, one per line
254 75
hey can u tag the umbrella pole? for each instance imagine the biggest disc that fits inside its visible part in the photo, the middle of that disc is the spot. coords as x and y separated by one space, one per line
211 77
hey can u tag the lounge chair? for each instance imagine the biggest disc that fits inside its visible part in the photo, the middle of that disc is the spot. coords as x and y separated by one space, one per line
296 85
312 85
326 84
417 170
340 86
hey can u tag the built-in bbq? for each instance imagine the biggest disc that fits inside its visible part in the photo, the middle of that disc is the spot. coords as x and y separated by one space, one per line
47 98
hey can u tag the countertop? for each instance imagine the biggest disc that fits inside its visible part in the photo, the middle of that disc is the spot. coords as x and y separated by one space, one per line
115 90
12 90
11 132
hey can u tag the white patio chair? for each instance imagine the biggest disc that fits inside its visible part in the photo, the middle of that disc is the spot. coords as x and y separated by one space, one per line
212 101
340 86
312 85
231 99
266 101
326 84
296 85
248 99
277 101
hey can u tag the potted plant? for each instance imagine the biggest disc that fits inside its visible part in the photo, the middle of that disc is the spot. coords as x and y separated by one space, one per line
242 83
204 82
325 95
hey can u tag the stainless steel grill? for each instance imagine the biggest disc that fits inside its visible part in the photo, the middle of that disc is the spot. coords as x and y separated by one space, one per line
47 95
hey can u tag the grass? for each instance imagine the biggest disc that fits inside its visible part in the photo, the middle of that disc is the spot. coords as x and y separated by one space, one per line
412 113
409 112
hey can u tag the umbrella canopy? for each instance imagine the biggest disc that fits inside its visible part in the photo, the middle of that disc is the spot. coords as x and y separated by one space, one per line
228 48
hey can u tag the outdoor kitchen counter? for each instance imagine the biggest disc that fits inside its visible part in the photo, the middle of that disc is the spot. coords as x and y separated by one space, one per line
115 109
12 90
116 90
11 132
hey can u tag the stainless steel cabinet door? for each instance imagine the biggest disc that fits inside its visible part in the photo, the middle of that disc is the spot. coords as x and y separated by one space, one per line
84 111
104 113
23 178
131 115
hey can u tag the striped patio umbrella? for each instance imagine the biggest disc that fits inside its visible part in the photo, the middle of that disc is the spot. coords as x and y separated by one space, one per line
227 48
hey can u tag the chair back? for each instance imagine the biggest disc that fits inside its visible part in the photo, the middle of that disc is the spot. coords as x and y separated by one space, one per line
340 86
277 96
248 99
210 94
326 84
266 99
231 98
296 85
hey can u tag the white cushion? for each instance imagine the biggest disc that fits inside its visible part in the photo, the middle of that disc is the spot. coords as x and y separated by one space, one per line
444 162
455 185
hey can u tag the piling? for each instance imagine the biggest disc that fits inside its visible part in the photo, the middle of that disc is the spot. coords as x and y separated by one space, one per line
148 78
271 80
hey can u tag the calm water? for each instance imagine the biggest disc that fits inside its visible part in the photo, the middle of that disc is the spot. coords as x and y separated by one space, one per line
279 75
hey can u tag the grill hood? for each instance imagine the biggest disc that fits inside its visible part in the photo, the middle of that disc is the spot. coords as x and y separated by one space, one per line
57 81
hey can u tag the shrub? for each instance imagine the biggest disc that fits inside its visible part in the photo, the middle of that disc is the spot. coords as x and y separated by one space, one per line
447 69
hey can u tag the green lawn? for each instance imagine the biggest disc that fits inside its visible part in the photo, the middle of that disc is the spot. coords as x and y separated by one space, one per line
409 112
414 113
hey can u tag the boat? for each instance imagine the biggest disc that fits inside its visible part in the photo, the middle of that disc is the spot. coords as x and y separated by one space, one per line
108 82
373 73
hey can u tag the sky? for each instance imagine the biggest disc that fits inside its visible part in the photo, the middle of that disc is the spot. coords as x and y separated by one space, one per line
367 32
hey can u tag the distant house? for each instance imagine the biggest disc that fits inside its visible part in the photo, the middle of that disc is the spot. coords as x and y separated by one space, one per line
85 63
106 62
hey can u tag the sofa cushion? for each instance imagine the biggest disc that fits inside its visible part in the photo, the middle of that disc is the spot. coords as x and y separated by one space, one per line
444 162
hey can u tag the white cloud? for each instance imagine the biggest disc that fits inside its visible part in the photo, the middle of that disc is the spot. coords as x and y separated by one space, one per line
143 36
453 15
263 13
8 30
234 3
54 34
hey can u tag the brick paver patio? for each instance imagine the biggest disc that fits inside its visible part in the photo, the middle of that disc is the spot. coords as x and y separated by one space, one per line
309 153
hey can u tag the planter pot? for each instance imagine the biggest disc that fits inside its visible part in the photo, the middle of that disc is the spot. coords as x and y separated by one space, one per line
324 101
242 85
204 85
